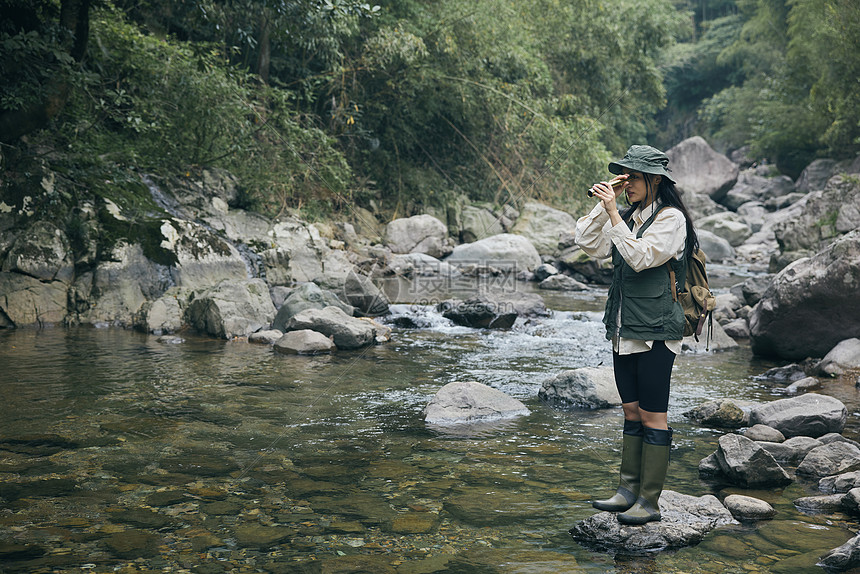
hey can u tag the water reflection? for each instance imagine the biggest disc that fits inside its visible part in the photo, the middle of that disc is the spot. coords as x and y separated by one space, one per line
118 451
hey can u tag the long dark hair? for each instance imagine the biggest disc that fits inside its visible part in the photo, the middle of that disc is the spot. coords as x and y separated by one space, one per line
667 195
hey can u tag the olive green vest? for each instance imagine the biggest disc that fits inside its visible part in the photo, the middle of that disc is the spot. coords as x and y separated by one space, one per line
648 310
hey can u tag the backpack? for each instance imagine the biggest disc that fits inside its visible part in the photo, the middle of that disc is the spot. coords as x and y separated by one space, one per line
696 298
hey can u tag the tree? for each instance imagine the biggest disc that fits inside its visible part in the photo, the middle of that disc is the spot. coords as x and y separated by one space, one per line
39 53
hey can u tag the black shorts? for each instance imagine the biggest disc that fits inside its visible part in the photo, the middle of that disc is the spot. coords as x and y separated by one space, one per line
644 377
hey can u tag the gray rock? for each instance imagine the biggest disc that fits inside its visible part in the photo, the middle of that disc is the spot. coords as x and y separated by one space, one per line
710 466
346 332
419 265
715 247
826 215
41 252
479 313
828 459
308 296
506 252
815 175
164 315
543 225
25 300
843 482
807 415
722 413
360 292
232 309
791 451
471 402
850 500
761 432
836 437
753 288
478 223
737 329
844 356
686 520
747 464
523 304
754 214
304 342
697 168
718 341
544 271
417 234
817 504
748 508
586 387
843 558
782 375
802 385
202 258
562 283
727 225
267 337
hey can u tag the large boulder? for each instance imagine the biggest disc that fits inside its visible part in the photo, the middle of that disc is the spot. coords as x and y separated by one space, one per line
542 225
202 258
471 402
815 176
685 522
307 296
751 186
587 388
506 252
715 247
232 309
727 225
25 300
810 415
830 459
697 168
478 223
826 214
746 463
360 292
346 332
811 305
417 234
479 312
42 252
842 558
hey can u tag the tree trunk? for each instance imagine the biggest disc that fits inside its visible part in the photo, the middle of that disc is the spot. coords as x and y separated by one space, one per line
264 58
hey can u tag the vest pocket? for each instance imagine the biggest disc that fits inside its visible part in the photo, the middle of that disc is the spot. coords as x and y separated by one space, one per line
643 303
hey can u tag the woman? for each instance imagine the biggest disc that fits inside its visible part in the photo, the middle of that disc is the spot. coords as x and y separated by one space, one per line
649 244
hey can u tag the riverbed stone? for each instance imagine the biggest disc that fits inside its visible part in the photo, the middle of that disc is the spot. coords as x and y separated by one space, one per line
308 296
746 463
561 282
685 522
232 309
811 305
760 432
586 388
850 501
829 459
346 332
304 342
133 543
478 507
478 223
417 234
265 337
479 312
542 225
25 300
415 523
163 315
471 402
259 536
819 504
698 169
715 247
791 451
721 413
506 252
360 292
727 225
842 482
843 357
844 557
811 414
748 508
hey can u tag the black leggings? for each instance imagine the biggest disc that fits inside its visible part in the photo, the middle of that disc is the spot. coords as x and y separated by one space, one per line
644 377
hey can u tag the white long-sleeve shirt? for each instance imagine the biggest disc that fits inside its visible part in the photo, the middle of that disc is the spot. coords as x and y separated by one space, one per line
664 239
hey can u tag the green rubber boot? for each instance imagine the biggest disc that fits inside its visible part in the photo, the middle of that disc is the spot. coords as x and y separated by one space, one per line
655 462
631 465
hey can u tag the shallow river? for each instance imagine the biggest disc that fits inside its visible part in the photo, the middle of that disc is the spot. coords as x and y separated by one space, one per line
120 453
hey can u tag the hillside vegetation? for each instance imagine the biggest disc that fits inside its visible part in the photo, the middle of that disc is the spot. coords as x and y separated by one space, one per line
316 105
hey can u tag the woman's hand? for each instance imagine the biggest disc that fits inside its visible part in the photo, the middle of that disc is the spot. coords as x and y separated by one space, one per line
607 194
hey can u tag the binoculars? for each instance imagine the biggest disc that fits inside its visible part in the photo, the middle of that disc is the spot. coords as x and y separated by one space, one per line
613 184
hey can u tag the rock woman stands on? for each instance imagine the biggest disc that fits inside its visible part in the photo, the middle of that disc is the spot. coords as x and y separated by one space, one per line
643 321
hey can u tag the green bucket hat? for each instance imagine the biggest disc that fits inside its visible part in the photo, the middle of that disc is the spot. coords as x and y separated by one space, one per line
643 158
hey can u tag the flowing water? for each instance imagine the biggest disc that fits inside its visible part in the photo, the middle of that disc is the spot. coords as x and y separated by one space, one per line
123 452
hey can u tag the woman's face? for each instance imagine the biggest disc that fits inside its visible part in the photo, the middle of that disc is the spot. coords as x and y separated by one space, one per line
638 188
